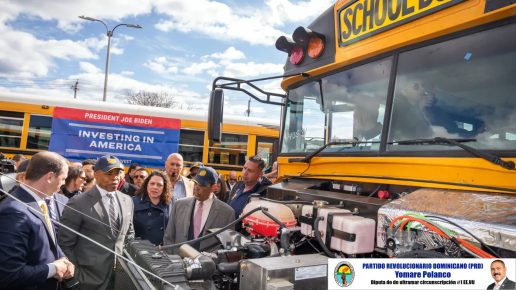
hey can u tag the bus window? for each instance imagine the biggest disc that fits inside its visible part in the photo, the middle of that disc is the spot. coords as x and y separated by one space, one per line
265 149
303 130
354 101
191 145
11 124
352 108
460 88
231 151
39 132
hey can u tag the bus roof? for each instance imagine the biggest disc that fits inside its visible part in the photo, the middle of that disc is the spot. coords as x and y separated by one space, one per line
197 115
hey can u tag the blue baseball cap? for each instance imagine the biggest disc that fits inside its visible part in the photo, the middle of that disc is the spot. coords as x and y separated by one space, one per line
197 164
206 175
107 163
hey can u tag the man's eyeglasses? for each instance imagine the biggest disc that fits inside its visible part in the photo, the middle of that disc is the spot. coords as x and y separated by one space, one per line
139 176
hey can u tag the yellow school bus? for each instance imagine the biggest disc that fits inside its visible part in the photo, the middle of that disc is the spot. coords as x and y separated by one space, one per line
26 126
402 113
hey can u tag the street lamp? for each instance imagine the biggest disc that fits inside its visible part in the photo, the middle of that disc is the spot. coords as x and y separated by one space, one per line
109 35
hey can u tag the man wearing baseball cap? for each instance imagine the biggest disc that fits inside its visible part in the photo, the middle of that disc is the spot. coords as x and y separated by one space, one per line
194 169
111 224
204 212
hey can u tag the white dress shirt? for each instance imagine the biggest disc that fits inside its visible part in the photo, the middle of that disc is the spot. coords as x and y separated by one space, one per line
206 207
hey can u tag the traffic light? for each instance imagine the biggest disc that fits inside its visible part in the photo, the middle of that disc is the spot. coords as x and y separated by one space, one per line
304 41
295 52
312 42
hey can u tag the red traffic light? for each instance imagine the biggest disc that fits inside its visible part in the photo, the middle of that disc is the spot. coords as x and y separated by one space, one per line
303 41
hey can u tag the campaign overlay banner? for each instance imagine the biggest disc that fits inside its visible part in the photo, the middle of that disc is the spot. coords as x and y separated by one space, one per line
85 134
414 273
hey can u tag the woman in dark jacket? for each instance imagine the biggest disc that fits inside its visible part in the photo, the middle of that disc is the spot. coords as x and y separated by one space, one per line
151 208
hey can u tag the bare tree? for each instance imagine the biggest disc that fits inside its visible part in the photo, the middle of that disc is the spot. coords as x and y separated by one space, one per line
145 98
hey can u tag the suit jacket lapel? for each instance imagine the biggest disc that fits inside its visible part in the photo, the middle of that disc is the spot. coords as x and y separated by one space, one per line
36 211
188 214
121 205
39 215
98 206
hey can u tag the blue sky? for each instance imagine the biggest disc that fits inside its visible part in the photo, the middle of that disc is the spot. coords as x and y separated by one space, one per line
183 46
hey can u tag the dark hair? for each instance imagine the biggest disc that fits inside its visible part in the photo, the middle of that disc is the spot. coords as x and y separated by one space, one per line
89 162
499 261
19 157
73 173
22 167
133 166
166 195
43 163
221 194
258 160
140 169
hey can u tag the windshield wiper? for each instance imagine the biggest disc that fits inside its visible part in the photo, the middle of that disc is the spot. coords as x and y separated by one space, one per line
509 165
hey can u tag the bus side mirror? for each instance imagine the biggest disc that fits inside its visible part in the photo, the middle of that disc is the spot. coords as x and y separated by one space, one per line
215 115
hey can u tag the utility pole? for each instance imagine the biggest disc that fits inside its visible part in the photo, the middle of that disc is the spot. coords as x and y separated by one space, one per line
75 88
248 111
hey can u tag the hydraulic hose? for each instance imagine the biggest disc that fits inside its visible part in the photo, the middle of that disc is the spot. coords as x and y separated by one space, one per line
319 239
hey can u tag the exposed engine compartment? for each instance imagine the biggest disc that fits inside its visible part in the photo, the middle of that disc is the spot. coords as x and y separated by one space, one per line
289 235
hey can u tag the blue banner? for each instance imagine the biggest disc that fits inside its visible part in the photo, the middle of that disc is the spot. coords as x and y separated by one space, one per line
78 140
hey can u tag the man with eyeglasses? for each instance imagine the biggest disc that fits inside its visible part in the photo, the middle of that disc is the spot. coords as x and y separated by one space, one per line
192 217
412 109
139 176
232 180
182 186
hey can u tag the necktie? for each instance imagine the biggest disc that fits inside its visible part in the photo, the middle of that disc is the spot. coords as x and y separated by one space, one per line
113 218
44 210
496 287
51 209
198 220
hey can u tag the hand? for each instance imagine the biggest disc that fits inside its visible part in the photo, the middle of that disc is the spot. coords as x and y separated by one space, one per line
61 268
70 269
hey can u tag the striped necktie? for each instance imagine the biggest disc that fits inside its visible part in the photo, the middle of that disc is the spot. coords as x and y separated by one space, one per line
113 218
51 210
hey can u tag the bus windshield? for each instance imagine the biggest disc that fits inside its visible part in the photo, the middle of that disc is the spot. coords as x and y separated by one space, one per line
458 88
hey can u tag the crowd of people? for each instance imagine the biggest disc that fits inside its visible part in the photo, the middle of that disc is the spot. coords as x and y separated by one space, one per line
62 222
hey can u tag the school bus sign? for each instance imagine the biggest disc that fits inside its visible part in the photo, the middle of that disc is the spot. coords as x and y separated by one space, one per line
364 18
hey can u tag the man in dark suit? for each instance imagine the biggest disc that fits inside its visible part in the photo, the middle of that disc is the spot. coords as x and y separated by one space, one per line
499 272
30 257
108 221
203 212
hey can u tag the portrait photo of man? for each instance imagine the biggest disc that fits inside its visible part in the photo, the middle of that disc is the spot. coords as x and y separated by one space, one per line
499 274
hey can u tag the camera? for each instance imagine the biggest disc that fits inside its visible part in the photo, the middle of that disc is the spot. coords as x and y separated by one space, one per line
7 166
